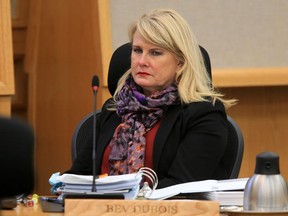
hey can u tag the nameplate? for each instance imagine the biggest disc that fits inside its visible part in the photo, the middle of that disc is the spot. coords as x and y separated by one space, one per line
82 207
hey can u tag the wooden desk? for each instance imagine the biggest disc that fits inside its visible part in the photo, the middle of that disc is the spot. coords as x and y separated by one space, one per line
253 214
22 210
36 210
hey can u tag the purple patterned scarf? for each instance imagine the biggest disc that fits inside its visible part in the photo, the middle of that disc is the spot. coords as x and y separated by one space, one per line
139 114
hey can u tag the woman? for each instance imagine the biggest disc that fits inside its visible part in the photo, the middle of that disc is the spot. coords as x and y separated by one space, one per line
165 115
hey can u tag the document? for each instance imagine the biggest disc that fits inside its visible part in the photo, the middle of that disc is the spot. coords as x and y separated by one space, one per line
116 182
227 198
227 192
127 184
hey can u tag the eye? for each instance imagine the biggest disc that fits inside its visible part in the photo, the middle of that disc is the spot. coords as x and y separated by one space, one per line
137 50
156 53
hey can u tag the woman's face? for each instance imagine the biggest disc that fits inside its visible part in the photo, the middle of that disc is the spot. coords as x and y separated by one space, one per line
152 67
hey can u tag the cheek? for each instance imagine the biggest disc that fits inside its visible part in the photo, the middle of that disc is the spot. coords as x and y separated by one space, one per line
133 63
170 70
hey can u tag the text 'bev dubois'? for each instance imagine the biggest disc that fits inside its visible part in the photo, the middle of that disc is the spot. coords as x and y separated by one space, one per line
142 209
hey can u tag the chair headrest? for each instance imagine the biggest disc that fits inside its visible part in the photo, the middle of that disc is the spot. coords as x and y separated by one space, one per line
121 61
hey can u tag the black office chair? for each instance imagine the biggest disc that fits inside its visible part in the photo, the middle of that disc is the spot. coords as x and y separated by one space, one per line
16 159
83 128
119 64
234 152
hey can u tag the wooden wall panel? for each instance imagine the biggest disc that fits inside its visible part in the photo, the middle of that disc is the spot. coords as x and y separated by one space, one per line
6 59
64 50
5 105
262 114
250 77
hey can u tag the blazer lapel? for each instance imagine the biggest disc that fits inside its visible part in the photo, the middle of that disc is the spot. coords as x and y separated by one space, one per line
163 132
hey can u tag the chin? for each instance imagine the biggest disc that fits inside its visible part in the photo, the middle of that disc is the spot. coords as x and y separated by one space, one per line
142 82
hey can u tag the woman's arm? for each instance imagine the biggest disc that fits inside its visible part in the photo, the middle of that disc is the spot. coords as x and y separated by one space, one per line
201 134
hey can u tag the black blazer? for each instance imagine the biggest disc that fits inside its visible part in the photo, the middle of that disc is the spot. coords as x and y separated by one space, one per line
188 146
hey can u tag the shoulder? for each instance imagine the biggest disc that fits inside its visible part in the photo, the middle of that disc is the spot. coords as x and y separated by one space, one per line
107 111
204 106
204 111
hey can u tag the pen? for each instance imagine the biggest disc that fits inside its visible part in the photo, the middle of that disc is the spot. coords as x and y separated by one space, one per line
53 200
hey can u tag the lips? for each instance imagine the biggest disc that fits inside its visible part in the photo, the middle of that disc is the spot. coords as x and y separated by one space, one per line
143 73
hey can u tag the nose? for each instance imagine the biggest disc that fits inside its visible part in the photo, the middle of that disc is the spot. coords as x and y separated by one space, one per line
143 60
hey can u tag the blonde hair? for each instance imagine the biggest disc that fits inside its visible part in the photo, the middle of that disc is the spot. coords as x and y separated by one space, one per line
169 30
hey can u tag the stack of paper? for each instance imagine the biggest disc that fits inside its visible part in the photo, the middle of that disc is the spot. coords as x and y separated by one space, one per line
228 198
127 184
226 192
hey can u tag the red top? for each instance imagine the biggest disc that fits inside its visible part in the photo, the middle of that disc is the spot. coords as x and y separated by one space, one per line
148 160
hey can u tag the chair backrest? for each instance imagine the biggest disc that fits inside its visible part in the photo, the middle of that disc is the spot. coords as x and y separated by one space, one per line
16 157
119 64
81 132
234 152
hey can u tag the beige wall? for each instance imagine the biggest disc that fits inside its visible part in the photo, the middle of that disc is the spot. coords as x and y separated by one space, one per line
245 33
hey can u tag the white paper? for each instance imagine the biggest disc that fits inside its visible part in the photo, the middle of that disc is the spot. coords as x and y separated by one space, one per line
198 187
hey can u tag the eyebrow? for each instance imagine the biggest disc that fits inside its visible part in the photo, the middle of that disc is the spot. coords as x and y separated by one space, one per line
153 48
